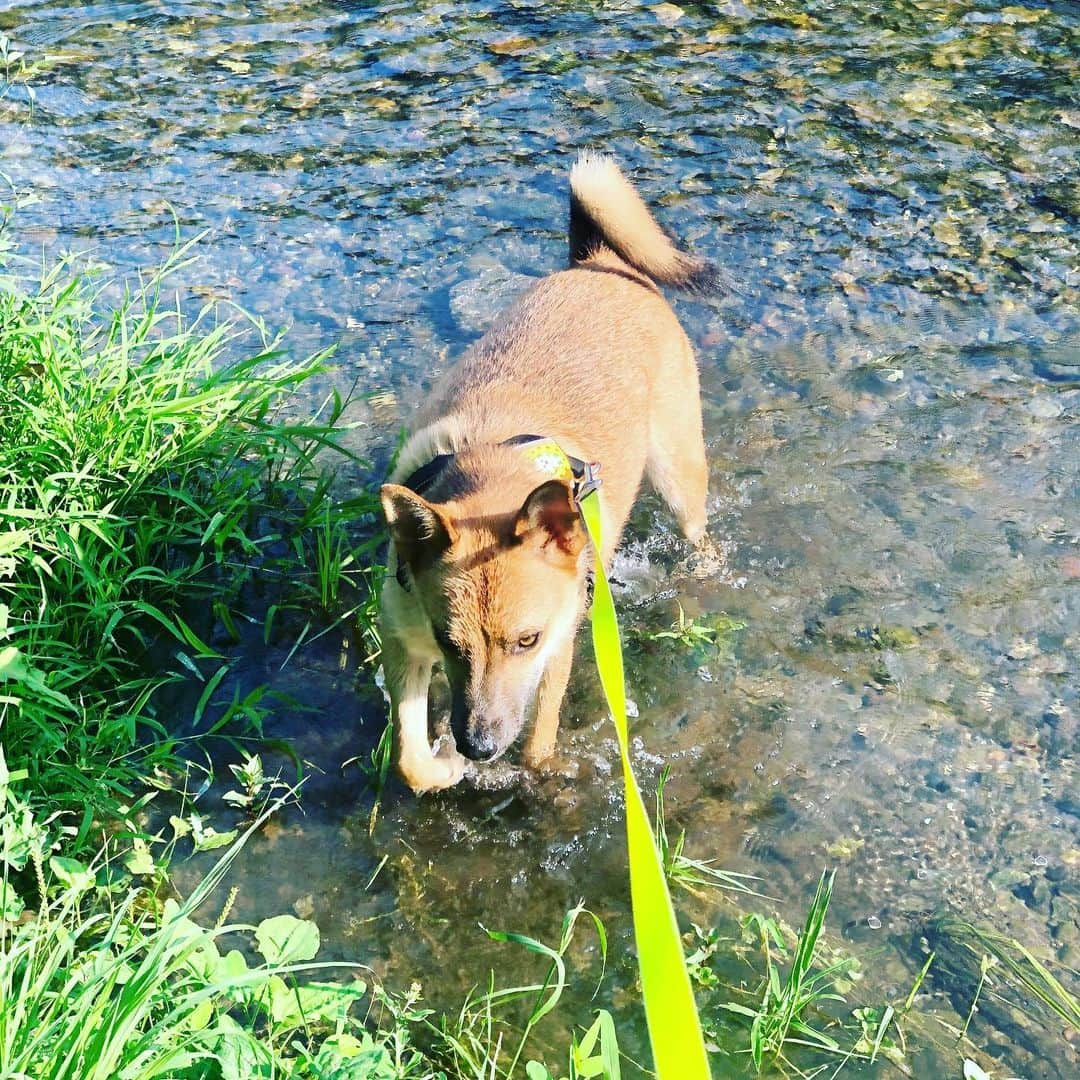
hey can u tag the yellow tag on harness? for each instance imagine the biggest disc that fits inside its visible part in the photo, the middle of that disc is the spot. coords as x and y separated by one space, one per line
548 456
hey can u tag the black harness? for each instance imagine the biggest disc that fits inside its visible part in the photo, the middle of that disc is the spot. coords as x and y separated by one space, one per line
585 474
586 478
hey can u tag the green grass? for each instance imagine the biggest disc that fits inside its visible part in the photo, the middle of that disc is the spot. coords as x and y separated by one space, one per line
107 982
1005 963
146 474
788 1005
694 875
483 1042
151 473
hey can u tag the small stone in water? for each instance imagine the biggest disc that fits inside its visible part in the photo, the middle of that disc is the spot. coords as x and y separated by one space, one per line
1045 408
668 14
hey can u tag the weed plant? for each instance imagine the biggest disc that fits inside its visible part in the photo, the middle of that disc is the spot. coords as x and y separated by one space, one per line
1005 964
693 875
716 632
784 1012
105 983
483 1043
145 475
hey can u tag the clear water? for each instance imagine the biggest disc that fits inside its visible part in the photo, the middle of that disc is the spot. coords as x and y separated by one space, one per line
890 406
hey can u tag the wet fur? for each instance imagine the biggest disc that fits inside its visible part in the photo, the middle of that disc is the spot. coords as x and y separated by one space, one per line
594 357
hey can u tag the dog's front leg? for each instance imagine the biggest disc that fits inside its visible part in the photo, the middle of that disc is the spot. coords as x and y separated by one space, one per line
407 680
541 741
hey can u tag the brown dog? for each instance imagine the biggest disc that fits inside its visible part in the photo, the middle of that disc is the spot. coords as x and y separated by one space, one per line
489 561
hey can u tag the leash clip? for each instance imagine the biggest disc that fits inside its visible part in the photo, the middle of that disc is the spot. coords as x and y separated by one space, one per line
589 481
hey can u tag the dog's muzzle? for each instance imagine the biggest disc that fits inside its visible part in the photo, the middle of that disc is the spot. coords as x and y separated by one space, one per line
472 734
480 747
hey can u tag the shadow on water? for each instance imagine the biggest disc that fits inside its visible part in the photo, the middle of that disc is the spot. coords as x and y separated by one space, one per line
890 403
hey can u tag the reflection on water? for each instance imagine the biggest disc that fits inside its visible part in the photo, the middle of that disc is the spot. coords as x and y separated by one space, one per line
890 403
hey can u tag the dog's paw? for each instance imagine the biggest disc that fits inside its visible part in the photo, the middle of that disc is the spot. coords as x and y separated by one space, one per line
455 765
555 763
535 756
442 769
707 560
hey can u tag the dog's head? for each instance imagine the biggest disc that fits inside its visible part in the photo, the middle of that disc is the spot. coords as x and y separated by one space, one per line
502 593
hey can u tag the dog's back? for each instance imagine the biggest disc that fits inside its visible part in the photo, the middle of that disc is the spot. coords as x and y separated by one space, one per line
592 356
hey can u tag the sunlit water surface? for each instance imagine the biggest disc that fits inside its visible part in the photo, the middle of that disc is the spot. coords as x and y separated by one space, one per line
890 407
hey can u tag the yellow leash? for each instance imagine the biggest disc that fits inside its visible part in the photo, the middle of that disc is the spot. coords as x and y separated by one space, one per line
674 1028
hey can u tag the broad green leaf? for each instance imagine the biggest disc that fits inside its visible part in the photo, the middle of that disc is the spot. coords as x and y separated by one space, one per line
346 1045
139 860
285 939
13 539
179 826
206 837
72 873
239 1054
313 1002
11 903
200 1016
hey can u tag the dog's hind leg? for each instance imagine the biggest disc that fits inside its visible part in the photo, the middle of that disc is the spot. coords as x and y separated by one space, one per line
407 681
676 464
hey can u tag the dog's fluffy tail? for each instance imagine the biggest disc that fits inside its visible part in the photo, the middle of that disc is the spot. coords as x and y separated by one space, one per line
606 211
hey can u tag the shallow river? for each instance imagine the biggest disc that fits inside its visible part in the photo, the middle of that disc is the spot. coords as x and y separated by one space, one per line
891 400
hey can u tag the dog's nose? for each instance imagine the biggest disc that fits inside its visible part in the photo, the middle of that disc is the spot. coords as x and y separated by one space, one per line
481 746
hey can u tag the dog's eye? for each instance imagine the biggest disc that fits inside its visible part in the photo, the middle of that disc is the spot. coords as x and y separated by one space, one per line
527 641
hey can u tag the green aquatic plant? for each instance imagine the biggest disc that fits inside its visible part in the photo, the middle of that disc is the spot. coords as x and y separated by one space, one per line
486 1041
14 68
693 875
783 1014
481 1039
376 770
986 965
1013 963
718 631
548 993
256 788
881 1030
594 1057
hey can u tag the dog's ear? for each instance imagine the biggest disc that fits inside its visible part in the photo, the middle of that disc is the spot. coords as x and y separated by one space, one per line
420 530
549 514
